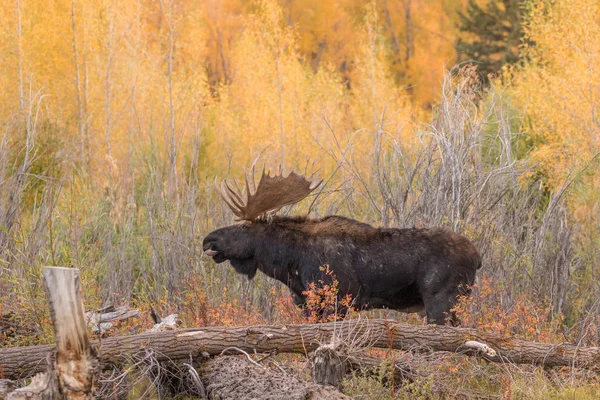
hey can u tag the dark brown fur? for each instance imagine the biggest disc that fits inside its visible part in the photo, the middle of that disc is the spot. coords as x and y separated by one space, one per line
404 269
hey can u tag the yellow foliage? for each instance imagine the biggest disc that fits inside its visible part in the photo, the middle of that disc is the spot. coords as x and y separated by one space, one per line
302 80
559 93
295 115
559 88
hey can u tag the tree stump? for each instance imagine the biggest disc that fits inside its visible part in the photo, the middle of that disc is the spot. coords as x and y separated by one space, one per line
75 360
329 365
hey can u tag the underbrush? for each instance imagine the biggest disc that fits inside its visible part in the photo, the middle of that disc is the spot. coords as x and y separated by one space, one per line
524 318
438 375
455 377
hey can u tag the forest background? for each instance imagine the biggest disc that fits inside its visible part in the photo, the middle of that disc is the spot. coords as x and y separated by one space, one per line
117 116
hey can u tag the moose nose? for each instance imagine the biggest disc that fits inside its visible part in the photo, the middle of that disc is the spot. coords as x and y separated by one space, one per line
208 246
207 242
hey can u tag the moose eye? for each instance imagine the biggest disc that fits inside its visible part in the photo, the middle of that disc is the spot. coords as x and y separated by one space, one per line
244 227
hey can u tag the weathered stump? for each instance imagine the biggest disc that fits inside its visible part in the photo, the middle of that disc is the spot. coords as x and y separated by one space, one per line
329 365
75 360
71 375
43 386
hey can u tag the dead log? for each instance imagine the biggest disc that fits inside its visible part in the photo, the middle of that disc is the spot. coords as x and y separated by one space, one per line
42 387
180 345
168 323
103 320
236 378
6 387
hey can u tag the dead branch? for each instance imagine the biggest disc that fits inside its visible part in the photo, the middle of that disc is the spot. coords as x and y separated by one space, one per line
102 320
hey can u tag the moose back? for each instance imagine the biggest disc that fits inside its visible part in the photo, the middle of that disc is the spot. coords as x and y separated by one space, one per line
409 270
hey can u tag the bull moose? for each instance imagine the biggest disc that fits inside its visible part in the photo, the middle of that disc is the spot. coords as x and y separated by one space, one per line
409 270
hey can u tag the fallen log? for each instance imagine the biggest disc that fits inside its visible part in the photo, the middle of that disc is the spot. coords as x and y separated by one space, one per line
182 344
170 322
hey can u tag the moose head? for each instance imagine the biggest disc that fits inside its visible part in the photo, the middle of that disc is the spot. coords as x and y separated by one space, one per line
239 243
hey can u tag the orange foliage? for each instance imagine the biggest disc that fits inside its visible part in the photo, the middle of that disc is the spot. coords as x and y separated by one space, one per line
225 310
523 317
323 301
323 304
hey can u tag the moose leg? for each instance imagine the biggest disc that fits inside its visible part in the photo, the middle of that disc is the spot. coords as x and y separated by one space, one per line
299 300
438 308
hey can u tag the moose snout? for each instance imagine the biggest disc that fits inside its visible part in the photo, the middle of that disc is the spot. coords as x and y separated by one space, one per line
209 246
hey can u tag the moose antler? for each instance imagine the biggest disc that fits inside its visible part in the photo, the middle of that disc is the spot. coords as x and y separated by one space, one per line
272 193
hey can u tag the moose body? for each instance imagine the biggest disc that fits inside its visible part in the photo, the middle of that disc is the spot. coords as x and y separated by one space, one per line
409 270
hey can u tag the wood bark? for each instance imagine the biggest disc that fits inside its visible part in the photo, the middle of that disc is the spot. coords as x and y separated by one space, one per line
43 386
329 365
185 343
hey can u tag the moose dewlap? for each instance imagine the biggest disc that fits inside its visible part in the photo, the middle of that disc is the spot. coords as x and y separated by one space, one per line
408 270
